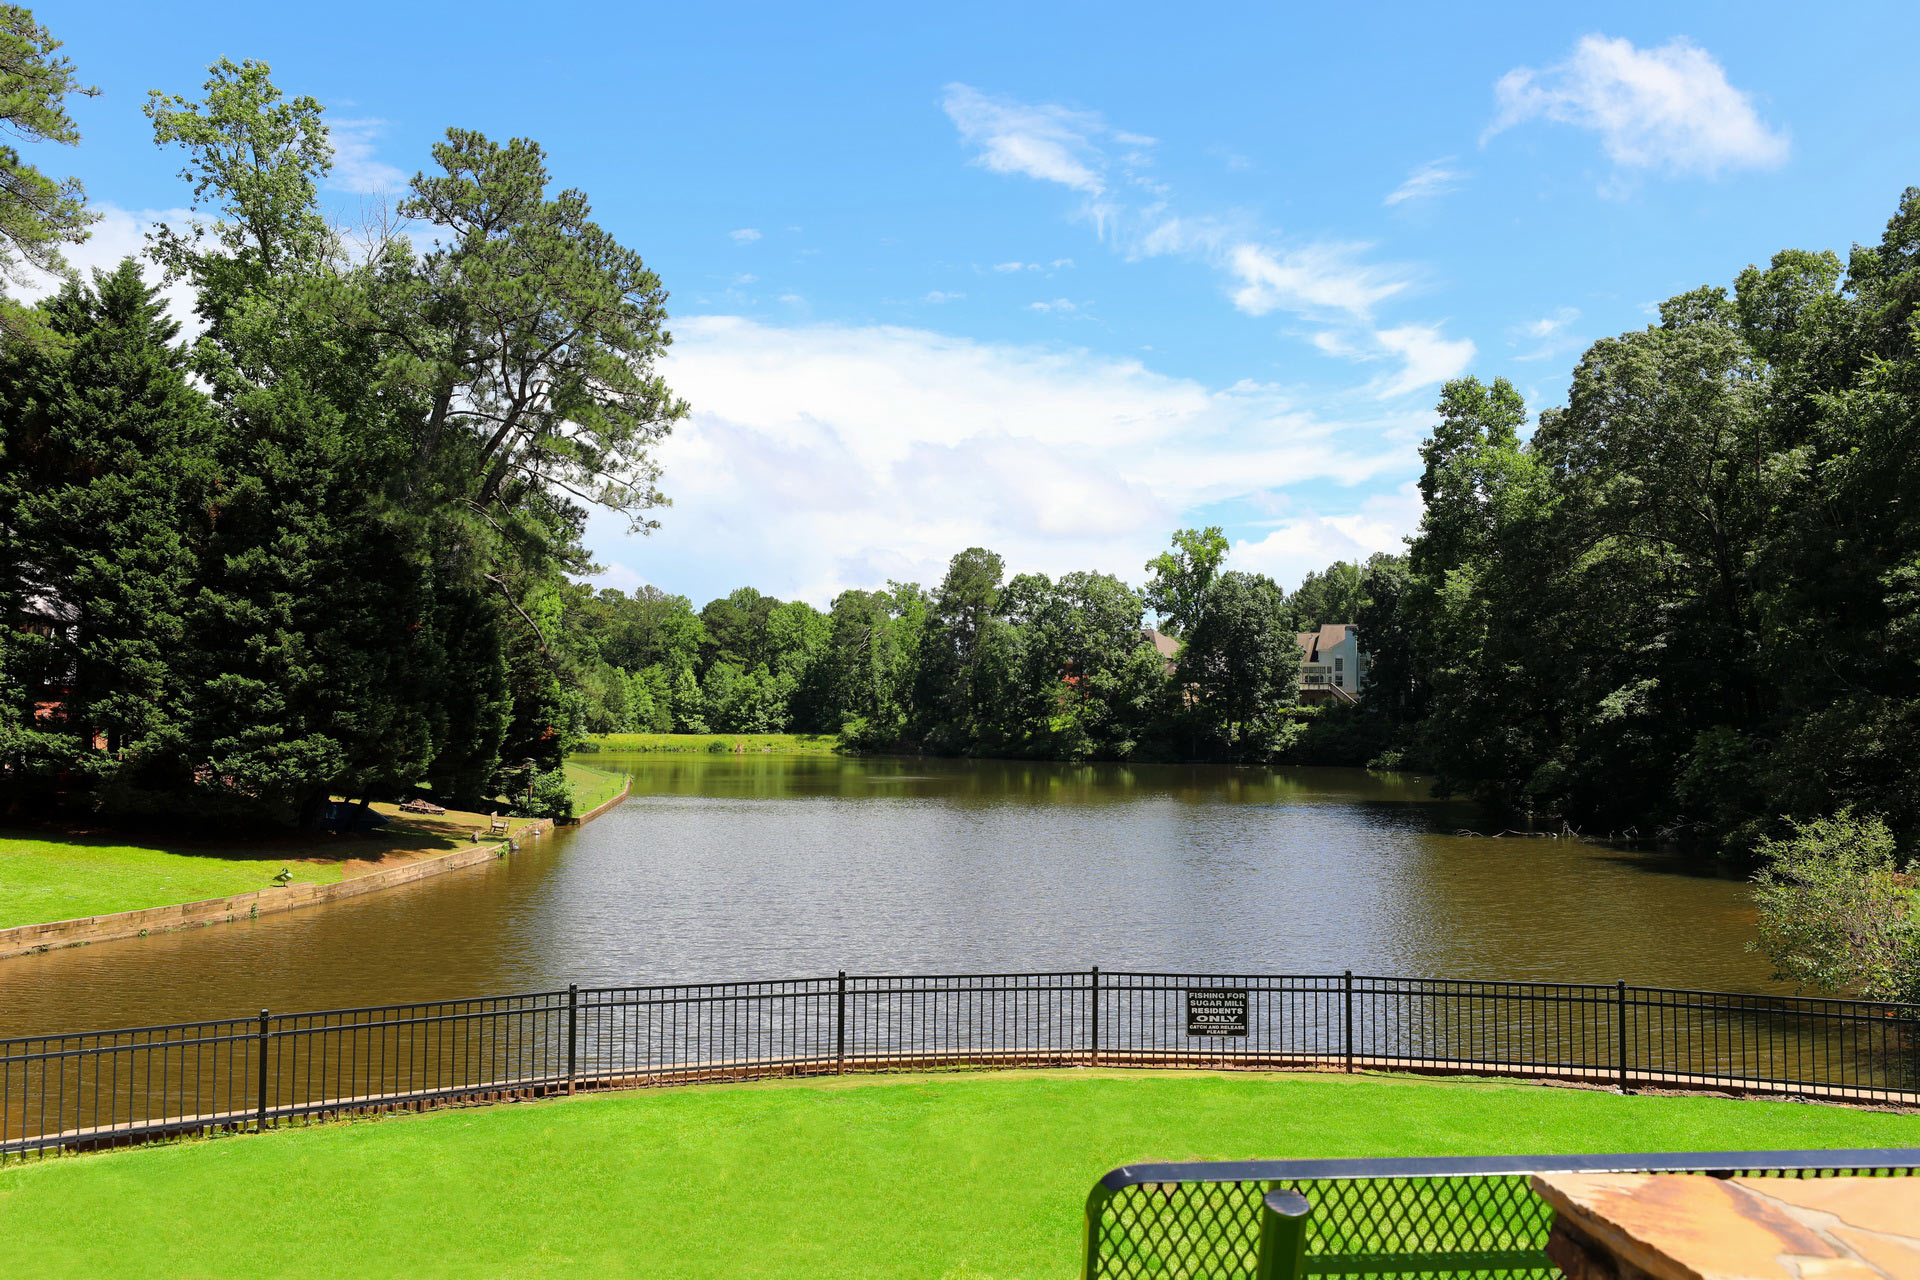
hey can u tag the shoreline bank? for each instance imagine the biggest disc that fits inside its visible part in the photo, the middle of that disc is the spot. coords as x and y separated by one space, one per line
31 939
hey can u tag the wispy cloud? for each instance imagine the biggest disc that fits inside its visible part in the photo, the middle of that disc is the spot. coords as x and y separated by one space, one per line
1315 278
939 295
1549 336
1427 358
1057 305
1051 143
355 167
1434 178
1668 108
1265 272
745 235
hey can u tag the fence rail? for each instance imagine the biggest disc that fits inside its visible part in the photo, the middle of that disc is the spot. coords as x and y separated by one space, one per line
1448 1217
98 1088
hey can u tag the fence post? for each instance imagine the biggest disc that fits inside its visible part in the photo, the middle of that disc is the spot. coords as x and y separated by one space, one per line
573 1034
1620 1029
1283 1235
840 1028
260 1102
1094 1021
1346 985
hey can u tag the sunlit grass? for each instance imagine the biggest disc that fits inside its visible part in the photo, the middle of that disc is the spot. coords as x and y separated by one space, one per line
67 877
965 1175
787 743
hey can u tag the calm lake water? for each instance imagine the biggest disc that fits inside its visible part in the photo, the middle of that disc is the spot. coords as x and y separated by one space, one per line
778 866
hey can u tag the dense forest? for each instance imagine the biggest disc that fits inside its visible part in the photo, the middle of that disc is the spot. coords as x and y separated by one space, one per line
979 664
325 546
327 541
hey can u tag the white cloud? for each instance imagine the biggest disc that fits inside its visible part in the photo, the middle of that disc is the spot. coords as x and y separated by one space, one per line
1051 143
120 233
1428 358
820 457
1433 178
1548 326
355 167
1549 334
1134 214
1315 278
937 296
1667 108
745 235
1058 304
1007 268
1298 546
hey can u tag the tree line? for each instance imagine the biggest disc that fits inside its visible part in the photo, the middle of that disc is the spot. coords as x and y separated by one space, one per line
331 543
1688 602
325 547
980 663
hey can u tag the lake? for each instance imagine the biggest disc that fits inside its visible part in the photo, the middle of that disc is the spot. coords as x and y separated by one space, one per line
724 866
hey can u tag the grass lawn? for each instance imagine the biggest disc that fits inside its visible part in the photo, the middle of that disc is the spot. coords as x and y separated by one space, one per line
63 877
805 744
948 1177
592 787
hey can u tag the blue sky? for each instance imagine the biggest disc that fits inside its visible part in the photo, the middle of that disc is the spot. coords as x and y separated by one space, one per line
1058 282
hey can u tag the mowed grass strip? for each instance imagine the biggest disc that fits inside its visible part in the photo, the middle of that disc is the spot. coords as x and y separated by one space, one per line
946 1177
806 744
591 787
67 877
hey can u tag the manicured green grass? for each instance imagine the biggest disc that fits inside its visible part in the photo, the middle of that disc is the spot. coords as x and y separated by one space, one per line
66 877
949 1177
809 744
592 787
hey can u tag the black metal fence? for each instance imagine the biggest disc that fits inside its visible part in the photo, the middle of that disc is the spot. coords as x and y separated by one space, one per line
97 1088
1398 1217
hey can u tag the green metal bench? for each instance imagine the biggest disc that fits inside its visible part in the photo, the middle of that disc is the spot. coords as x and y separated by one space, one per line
1451 1217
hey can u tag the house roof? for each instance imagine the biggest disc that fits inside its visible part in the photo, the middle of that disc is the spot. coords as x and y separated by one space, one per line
1168 647
1311 642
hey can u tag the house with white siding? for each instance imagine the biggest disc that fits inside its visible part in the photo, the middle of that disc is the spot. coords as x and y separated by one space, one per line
1333 667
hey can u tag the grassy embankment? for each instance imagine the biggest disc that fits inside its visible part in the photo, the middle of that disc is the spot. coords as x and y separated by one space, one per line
807 744
63 877
962 1177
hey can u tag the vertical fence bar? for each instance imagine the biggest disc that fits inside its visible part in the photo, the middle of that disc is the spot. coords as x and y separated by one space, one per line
573 1034
260 1104
1346 985
1093 1021
840 1026
1620 1028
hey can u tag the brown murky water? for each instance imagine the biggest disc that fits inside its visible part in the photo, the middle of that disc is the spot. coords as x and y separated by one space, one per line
776 866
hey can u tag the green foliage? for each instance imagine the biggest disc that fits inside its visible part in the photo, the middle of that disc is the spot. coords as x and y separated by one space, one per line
342 567
1689 603
101 532
1242 664
1837 910
551 797
1179 577
37 213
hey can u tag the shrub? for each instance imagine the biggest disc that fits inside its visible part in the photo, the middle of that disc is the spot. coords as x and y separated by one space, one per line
1837 912
552 796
